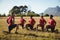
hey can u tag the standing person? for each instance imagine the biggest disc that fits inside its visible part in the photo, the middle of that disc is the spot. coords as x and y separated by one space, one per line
11 23
22 21
52 24
31 23
42 23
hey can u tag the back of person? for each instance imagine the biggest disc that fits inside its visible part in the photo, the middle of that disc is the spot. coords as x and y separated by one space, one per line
32 21
10 20
42 21
22 21
51 22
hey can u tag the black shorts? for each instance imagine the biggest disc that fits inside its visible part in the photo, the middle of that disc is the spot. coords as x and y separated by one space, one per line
30 26
40 25
12 26
48 27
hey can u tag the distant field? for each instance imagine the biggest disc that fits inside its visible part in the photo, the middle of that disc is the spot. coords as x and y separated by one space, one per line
28 34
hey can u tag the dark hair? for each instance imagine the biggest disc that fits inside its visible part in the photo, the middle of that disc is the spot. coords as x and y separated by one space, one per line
51 15
41 16
31 16
21 16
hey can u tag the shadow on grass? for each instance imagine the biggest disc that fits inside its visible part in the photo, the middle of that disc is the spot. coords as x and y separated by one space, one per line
34 35
55 31
9 36
30 34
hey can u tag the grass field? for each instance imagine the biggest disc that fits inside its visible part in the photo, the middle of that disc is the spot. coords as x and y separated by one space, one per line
28 34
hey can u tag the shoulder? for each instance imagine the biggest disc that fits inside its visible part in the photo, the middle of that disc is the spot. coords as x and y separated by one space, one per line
29 19
43 19
24 19
53 19
33 19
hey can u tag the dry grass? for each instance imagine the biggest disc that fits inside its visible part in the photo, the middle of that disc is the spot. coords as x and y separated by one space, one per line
28 34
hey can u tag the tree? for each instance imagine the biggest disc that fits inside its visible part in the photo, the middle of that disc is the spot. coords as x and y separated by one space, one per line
15 9
46 15
0 15
32 13
3 15
19 10
23 9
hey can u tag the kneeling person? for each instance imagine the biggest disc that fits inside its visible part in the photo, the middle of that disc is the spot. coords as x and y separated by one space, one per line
52 24
31 23
42 23
22 21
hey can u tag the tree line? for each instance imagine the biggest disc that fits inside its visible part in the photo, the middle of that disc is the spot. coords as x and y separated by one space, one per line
22 11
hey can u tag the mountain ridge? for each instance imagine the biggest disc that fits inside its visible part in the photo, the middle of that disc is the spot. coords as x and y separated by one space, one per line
53 11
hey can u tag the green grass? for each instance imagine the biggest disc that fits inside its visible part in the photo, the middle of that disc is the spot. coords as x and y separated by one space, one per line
28 34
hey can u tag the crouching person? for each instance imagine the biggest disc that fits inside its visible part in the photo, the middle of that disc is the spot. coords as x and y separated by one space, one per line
52 24
22 21
31 23
42 23
11 23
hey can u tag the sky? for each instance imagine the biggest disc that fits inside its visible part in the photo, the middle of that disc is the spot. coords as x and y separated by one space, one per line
37 6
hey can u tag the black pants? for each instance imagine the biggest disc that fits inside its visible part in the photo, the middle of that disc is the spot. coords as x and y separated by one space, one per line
42 26
29 26
10 27
50 27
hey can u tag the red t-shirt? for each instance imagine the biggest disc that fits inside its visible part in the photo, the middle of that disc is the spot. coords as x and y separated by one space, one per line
10 20
52 22
42 21
32 21
22 21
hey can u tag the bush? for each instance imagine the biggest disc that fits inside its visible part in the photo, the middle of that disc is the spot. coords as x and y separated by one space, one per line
46 15
2 15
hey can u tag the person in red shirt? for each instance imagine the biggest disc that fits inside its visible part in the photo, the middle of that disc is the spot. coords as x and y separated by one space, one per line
52 24
22 21
42 23
11 23
31 23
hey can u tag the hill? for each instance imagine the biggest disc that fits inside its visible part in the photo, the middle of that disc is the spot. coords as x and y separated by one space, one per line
53 10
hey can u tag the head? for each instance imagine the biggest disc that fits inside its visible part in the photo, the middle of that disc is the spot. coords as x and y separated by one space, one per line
13 14
21 16
41 16
51 16
31 16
